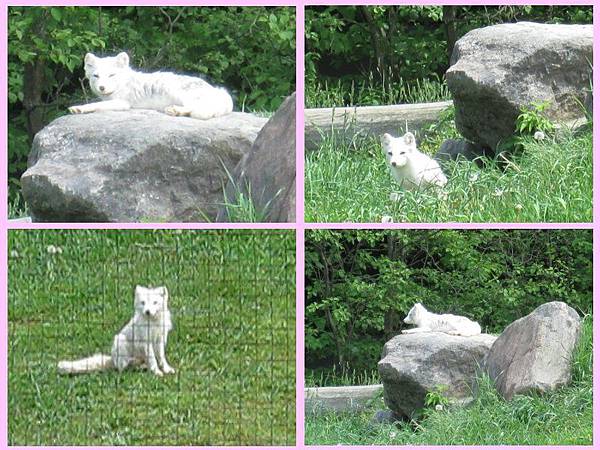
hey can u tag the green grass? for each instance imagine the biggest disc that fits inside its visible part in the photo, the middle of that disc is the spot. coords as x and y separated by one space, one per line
551 181
232 297
563 417
344 377
372 92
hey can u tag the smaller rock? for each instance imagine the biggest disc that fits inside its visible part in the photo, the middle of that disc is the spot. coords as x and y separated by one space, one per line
534 353
267 173
453 149
385 416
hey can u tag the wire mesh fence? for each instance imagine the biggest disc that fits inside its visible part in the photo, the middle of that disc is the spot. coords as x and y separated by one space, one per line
232 302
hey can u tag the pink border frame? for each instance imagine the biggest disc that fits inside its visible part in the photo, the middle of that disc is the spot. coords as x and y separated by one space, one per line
300 226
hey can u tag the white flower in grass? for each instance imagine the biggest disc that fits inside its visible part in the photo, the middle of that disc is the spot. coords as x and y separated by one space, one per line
539 135
519 207
387 219
14 254
54 250
439 407
393 434
473 177
498 192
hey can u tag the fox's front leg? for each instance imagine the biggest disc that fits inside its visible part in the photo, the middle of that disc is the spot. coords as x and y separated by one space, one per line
151 360
415 330
108 105
162 360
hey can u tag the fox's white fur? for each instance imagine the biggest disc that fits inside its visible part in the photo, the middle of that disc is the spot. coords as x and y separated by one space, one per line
426 321
121 88
141 342
411 168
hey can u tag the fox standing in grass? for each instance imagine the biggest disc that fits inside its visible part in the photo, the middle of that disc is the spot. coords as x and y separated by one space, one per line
426 321
411 168
141 342
121 88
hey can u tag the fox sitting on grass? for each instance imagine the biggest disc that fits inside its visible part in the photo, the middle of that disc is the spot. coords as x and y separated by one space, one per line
426 321
121 88
140 343
411 169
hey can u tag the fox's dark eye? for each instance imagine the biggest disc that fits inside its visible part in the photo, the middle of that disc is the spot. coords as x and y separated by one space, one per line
390 153
111 75
95 76
143 302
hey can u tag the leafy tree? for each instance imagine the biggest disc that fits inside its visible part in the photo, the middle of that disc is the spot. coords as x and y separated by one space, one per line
361 283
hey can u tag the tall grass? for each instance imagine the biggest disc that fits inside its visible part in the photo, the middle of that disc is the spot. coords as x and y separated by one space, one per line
372 92
562 417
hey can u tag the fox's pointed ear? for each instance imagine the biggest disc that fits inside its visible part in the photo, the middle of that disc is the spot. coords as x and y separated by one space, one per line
89 59
123 59
386 138
409 139
164 292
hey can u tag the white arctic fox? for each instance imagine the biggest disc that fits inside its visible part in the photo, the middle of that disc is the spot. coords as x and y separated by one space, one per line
411 168
141 342
121 88
443 323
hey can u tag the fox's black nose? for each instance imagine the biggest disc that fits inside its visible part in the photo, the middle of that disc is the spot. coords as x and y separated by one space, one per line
147 312
394 164
101 88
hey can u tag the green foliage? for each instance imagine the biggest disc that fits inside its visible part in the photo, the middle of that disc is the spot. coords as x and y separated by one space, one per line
391 45
437 397
562 417
361 283
250 50
532 119
350 182
232 299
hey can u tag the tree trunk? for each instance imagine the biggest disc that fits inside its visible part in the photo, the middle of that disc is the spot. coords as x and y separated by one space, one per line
376 39
449 18
33 88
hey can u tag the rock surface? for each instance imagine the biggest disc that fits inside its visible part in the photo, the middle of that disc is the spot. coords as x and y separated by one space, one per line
414 364
267 174
534 352
133 166
453 149
498 69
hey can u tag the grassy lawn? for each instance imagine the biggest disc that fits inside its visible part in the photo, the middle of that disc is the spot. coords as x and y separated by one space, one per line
232 298
551 181
563 417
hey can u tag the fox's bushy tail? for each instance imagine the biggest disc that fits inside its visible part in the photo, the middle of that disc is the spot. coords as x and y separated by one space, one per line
92 363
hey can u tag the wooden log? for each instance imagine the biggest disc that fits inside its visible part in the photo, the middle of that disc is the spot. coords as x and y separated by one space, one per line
368 120
340 398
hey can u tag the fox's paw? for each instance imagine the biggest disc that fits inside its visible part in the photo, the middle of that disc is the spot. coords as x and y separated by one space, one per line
175 110
168 369
157 372
78 109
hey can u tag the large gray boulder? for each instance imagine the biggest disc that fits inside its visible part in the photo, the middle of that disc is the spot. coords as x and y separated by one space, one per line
267 173
133 166
534 353
498 69
414 364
